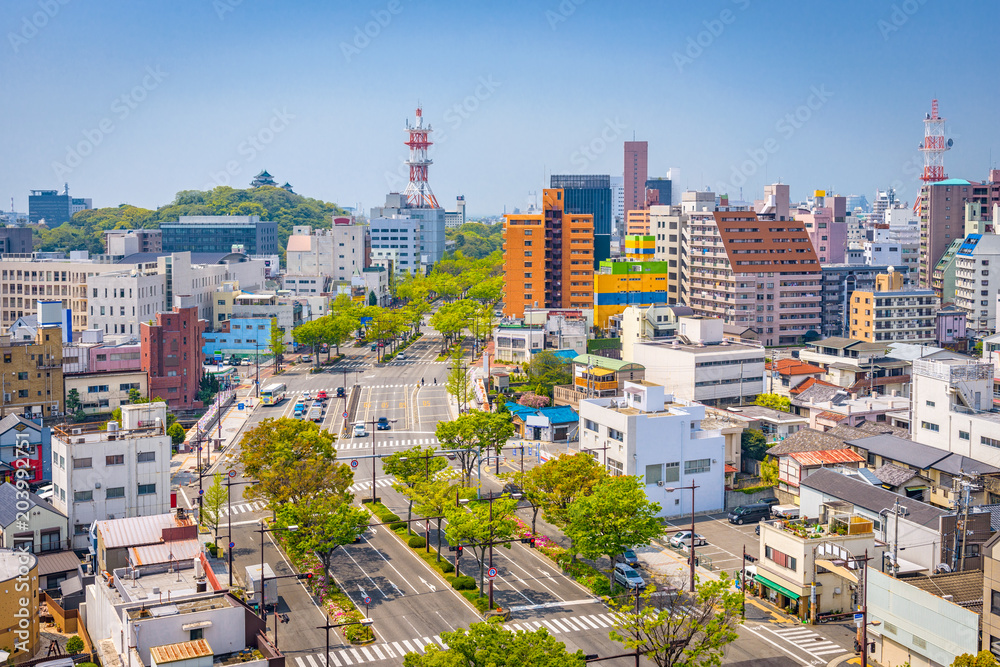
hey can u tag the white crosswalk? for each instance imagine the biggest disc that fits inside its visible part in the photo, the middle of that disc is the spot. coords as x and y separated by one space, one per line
332 391
555 626
243 508
365 486
359 655
381 443
811 642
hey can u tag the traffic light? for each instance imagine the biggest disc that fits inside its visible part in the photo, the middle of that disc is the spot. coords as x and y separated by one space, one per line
458 551
531 543
749 558
304 575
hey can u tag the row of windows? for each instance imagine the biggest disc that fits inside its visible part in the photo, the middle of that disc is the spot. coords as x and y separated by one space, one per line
109 460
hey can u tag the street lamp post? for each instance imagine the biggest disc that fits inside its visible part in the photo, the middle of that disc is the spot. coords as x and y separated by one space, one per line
671 489
327 626
374 423
291 529
490 498
229 501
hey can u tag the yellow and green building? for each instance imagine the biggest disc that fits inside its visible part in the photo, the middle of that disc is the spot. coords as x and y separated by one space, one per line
618 285
640 247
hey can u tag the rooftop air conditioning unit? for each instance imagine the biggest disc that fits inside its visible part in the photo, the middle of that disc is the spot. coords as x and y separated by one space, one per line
660 483
77 431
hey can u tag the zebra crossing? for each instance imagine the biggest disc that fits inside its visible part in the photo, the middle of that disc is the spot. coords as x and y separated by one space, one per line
555 626
806 640
359 655
243 508
332 391
366 486
385 443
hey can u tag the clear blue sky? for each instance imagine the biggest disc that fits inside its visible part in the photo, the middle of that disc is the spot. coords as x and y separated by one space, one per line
165 96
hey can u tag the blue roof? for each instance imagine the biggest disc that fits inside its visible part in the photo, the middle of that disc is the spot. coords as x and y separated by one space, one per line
560 414
565 354
952 181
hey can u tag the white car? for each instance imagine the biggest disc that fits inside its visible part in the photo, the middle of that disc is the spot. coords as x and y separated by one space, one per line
683 538
359 430
306 396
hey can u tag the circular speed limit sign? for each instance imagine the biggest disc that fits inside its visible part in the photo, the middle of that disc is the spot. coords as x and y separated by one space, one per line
491 573
368 600
232 473
354 463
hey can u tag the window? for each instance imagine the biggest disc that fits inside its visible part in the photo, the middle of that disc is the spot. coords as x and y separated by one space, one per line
81 529
930 404
82 496
83 463
989 442
697 466
147 489
654 473
963 435
197 633
114 460
589 425
778 558
145 457
115 492
616 435
930 427
995 602
673 472
22 376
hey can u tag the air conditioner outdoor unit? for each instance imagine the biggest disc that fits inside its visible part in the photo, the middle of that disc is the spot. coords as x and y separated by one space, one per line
660 483
77 431
97 485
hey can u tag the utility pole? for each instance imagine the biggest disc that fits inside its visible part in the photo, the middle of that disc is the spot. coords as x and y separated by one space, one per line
966 493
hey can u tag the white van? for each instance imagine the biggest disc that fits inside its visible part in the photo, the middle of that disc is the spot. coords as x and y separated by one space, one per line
316 412
359 430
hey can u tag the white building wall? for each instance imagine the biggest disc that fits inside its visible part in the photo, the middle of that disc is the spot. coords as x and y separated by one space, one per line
704 376
118 302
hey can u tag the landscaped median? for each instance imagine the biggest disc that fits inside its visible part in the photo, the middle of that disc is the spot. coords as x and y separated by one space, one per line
389 356
464 584
583 573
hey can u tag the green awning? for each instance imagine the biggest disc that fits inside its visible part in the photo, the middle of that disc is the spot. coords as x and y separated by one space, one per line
778 587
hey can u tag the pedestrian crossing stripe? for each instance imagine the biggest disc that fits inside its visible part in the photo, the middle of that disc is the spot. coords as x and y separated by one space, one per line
361 654
555 626
379 483
331 391
415 442
809 641
244 507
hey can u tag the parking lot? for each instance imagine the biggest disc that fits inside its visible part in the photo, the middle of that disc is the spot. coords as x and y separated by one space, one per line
725 540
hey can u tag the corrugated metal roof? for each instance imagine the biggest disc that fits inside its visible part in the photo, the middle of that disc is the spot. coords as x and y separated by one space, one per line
134 531
62 561
827 457
164 553
198 648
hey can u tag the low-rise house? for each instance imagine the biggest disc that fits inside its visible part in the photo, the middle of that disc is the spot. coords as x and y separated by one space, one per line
797 466
776 425
26 444
103 392
903 481
114 541
827 410
516 341
925 619
655 435
597 377
784 375
29 523
555 424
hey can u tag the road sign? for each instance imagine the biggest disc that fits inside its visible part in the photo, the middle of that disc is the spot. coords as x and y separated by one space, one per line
232 473
345 414
368 600
491 573
232 545
354 463
859 619
201 491
239 406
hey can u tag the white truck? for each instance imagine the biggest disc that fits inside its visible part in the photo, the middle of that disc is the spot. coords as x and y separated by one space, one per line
785 511
253 584
316 412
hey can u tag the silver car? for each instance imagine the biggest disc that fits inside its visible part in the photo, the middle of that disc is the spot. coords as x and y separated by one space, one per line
628 577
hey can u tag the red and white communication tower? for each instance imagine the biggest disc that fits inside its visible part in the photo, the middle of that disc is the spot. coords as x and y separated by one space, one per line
934 146
418 191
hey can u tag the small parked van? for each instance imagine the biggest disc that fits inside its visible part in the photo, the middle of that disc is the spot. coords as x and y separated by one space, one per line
749 513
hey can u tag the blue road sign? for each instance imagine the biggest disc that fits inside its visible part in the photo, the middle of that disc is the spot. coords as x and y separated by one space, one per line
368 600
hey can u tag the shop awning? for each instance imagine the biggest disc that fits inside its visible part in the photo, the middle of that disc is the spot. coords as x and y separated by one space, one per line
838 568
778 587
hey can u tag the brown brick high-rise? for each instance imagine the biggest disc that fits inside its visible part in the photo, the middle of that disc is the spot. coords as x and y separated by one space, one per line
171 356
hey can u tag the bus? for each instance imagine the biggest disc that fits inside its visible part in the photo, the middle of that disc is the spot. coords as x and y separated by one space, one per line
273 394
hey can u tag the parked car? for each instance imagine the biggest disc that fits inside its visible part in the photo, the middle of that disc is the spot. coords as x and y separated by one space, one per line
628 557
359 430
383 424
627 576
749 513
769 501
340 392
683 538
510 487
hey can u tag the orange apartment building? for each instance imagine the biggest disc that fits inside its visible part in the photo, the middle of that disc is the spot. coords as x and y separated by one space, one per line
548 258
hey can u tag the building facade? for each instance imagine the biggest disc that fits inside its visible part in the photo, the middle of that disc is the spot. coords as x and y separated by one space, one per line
171 356
338 252
32 375
618 285
117 302
15 240
53 207
548 258
892 313
220 233
636 174
838 282
977 281
589 195
122 242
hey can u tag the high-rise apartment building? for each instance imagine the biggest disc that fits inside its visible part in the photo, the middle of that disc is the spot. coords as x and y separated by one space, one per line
618 285
942 215
591 195
826 225
53 207
338 252
548 258
758 272
171 355
893 312
977 280
220 233
618 205
667 225
636 174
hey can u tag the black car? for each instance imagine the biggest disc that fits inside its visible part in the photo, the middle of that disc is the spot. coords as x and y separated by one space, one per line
769 501
340 392
511 488
383 424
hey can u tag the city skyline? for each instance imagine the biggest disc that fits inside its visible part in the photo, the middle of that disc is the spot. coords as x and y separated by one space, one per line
132 104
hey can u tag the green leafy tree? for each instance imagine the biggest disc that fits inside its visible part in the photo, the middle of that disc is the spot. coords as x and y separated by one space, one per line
493 430
74 645
675 630
754 444
459 435
451 319
476 524
292 461
491 645
615 516
323 524
457 383
774 401
214 498
176 433
310 334
769 471
559 481
73 401
546 370
277 343
981 659
434 496
410 467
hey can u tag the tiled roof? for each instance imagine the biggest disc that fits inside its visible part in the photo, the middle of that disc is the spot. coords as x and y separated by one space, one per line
832 416
963 587
872 498
819 393
893 475
794 367
897 449
806 384
61 561
867 428
826 457
806 440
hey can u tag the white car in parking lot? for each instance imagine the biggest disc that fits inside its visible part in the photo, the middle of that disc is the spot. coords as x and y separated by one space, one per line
683 538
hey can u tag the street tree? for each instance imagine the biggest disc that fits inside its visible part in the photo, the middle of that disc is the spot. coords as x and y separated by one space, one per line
493 430
459 435
981 659
546 370
410 467
277 343
338 330
477 524
323 524
457 382
615 516
310 334
451 319
292 461
676 629
754 444
774 401
491 645
212 502
434 496
559 481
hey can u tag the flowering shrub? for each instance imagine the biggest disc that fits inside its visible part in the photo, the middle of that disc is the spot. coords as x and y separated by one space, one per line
533 400
595 580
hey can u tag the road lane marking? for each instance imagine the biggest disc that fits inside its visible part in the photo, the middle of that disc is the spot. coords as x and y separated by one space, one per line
801 660
409 646
552 628
367 654
399 649
335 660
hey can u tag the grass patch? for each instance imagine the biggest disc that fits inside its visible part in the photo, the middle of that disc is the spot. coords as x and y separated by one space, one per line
755 489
